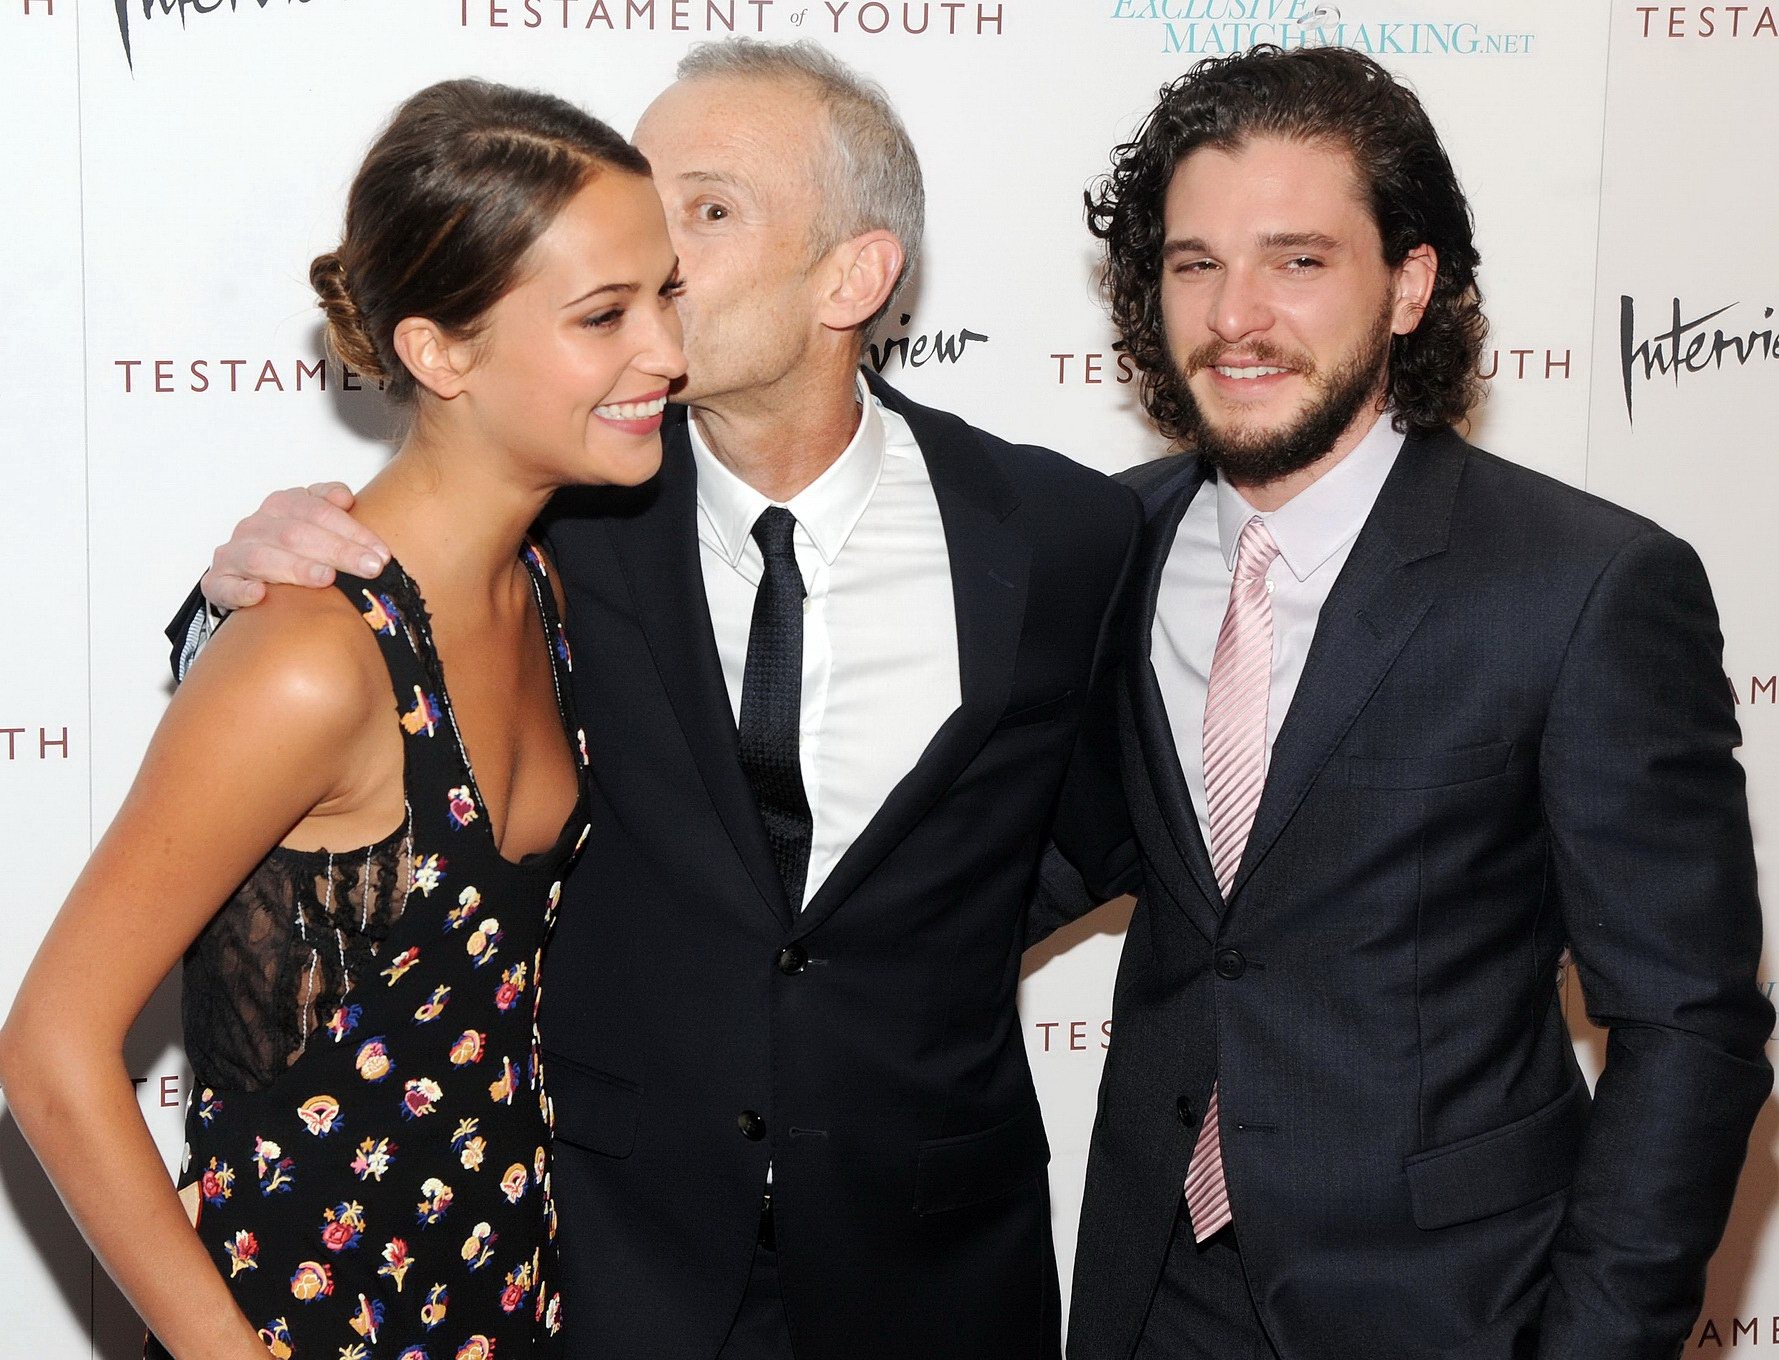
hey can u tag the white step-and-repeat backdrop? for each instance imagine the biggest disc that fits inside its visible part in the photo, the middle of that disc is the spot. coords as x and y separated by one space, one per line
168 168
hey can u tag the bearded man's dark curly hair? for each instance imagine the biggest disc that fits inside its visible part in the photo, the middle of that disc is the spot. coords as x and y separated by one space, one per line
1325 95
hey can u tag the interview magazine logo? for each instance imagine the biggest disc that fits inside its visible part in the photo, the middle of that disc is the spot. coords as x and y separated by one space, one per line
184 13
896 346
1676 344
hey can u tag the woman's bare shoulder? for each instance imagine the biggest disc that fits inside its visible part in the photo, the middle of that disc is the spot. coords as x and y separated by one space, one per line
303 657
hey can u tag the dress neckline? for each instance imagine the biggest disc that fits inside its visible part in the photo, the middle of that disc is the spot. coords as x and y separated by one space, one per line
419 621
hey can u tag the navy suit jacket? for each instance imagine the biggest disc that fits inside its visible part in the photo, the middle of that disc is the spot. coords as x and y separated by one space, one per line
1513 733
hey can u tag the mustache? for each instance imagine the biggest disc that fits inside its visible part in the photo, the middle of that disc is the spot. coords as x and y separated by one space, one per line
1214 352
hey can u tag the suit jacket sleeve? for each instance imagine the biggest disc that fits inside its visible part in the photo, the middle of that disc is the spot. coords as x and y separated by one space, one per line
189 631
1092 854
1653 870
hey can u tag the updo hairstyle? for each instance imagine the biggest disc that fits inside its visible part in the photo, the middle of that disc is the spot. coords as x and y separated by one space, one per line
465 178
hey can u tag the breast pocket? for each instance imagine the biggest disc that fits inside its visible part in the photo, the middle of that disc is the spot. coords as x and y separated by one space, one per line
1432 770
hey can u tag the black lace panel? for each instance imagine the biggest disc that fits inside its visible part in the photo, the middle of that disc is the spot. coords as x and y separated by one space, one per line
282 958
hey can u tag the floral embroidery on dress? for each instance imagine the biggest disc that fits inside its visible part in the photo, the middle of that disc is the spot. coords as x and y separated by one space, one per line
462 806
480 946
396 1261
432 1312
429 872
343 1021
468 902
342 1226
375 1157
320 1115
274 1168
423 716
400 967
276 1335
435 1198
478 1247
217 1183
382 613
468 1048
312 1280
243 1253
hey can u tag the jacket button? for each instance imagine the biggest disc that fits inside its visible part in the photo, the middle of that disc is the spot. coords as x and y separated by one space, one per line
792 959
1230 964
752 1125
1184 1107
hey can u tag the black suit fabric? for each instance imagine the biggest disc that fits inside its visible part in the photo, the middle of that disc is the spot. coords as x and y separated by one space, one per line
696 1028
1512 733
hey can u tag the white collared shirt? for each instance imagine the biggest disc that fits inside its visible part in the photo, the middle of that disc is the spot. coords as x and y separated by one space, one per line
880 667
1315 530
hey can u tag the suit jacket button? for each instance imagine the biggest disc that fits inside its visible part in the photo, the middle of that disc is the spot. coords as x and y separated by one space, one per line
1230 964
792 959
1184 1107
752 1125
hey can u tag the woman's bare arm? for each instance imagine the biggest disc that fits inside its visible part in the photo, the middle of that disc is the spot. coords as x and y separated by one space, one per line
278 718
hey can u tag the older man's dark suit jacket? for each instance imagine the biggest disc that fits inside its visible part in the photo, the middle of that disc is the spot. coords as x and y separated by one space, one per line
1512 733
874 1033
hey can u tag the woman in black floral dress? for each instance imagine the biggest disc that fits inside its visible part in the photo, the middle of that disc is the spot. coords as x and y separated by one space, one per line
368 1153
367 1168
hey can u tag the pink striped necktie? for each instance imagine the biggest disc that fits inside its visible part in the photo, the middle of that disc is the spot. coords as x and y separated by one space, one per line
1235 772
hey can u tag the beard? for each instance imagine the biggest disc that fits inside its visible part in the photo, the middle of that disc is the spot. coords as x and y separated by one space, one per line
1257 457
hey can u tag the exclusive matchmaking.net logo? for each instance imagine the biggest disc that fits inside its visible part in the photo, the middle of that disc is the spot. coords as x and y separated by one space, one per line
1210 28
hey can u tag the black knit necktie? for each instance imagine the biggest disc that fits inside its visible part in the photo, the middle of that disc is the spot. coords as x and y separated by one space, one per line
772 702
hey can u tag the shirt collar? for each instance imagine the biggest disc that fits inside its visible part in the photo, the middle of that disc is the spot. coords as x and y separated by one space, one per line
828 508
1328 513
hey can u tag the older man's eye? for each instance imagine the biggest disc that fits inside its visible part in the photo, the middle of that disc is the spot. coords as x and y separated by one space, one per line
711 212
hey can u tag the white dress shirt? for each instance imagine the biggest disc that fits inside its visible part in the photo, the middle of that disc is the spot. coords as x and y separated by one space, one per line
1315 530
880 667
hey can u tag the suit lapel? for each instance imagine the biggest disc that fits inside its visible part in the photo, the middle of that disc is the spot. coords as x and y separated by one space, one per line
990 565
1155 734
1375 606
658 551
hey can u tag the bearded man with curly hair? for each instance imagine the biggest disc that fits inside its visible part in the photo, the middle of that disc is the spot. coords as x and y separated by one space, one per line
1399 723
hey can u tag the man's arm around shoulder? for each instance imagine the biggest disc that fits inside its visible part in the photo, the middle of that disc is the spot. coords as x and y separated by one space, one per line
299 536
1092 856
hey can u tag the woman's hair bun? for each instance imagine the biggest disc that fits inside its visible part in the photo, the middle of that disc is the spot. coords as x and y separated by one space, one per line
442 213
347 335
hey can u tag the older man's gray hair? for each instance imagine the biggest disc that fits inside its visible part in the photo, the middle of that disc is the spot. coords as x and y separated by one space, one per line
873 180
